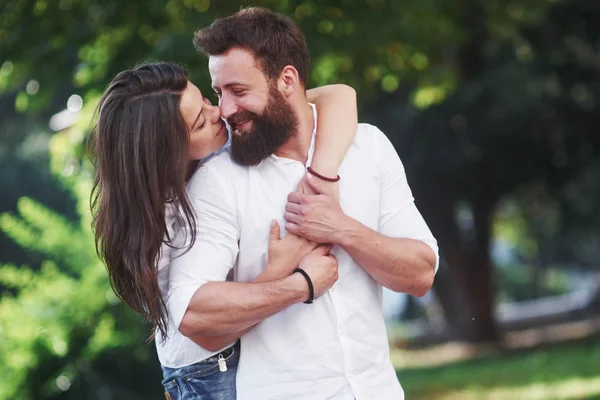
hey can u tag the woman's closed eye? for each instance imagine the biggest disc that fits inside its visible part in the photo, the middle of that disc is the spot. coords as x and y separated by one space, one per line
201 125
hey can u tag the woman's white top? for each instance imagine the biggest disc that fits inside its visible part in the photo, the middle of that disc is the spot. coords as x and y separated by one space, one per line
176 350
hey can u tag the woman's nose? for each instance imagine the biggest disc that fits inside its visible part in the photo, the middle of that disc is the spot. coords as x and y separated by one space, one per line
213 111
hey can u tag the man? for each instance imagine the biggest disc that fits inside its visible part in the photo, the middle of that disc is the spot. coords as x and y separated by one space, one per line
336 347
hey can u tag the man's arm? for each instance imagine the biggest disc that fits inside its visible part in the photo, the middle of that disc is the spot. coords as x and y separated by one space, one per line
224 308
205 307
400 264
247 304
198 321
402 256
218 322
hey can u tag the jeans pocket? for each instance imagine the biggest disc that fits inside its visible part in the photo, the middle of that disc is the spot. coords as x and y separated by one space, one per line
209 383
172 390
213 386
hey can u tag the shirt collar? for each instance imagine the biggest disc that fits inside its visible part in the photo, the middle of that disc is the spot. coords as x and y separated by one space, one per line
311 149
225 147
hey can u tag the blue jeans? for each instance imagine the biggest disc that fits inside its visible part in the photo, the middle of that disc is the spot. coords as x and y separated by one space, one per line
203 380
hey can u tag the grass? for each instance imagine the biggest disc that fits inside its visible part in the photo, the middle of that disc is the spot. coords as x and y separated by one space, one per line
566 371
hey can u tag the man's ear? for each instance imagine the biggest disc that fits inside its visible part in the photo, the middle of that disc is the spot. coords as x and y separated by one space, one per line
289 80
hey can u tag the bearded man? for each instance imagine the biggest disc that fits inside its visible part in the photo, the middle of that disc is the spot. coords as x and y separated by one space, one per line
335 346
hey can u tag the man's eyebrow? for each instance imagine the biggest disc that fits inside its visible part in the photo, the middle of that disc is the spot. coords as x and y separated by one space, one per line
230 84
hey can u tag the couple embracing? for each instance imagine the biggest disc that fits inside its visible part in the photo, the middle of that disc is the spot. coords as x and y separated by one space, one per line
256 235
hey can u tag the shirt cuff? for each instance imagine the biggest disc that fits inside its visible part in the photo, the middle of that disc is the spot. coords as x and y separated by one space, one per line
435 249
178 303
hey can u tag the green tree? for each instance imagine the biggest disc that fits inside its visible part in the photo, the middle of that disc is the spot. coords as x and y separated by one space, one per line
480 98
521 114
64 333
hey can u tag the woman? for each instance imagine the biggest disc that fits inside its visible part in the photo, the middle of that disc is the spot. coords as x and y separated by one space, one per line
147 144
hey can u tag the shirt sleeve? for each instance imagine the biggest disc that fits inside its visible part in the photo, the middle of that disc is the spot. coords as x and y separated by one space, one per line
215 247
398 215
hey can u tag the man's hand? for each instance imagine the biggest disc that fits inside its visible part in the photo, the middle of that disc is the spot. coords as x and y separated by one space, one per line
284 254
330 188
322 268
315 217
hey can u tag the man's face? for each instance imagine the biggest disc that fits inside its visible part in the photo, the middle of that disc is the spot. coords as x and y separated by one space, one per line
260 118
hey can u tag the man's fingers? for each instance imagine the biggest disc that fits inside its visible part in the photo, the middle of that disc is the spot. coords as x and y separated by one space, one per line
291 228
293 208
295 197
291 217
274 232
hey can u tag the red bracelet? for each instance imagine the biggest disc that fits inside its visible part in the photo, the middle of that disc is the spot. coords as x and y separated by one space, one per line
326 179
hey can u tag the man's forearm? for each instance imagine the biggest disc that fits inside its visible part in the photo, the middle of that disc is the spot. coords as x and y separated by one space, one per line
216 343
229 308
402 265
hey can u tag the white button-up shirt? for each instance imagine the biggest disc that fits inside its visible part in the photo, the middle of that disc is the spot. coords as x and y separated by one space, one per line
337 347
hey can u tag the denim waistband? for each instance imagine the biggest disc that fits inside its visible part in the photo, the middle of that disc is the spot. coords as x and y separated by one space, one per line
230 354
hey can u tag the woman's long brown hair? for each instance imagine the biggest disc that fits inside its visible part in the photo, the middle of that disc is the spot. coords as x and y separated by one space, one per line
140 147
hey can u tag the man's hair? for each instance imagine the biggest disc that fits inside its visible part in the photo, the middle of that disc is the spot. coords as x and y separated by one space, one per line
273 38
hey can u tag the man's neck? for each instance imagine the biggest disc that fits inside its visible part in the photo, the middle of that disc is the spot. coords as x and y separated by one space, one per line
296 148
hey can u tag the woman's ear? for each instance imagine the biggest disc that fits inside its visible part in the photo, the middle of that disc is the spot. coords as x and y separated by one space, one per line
288 81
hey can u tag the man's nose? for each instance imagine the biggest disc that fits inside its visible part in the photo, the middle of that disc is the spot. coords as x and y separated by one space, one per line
227 106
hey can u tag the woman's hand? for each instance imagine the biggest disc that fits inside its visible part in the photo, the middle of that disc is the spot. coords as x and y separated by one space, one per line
331 188
322 268
284 254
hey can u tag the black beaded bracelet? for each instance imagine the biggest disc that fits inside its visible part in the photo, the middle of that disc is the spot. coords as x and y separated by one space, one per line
311 289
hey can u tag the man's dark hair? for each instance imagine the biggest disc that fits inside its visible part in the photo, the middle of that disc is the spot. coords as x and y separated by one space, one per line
273 38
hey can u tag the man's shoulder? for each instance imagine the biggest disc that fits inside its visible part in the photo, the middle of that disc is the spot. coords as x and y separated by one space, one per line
366 130
368 138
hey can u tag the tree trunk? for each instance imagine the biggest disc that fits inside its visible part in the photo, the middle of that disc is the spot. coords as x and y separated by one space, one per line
465 281
481 279
469 264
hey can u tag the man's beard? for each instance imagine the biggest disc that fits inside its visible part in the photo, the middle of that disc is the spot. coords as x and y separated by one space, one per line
269 131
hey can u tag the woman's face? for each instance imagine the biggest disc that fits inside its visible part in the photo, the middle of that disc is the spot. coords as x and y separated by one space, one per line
203 120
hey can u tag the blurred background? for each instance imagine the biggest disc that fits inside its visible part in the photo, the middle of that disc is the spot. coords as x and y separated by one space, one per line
493 106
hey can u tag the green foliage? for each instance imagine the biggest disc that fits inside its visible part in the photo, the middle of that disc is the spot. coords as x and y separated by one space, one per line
518 283
371 44
480 98
61 316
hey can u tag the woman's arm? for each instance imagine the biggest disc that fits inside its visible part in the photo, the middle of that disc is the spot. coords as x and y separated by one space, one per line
336 126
